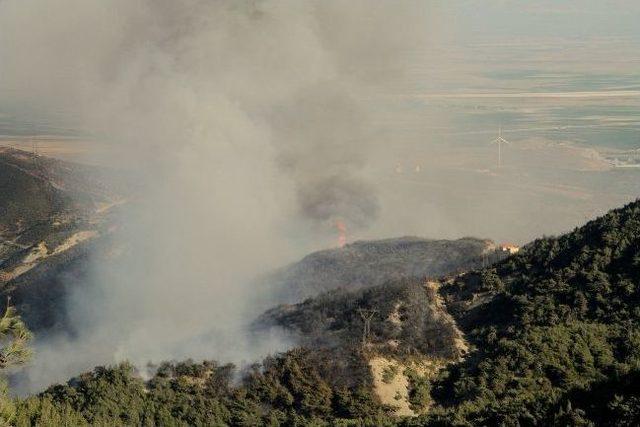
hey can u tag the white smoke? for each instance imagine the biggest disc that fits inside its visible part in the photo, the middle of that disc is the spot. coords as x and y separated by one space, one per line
245 126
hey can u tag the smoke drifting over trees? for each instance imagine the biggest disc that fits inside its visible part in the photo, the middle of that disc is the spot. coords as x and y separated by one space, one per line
244 124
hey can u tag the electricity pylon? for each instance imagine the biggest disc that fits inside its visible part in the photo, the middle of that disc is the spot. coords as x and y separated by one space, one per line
367 315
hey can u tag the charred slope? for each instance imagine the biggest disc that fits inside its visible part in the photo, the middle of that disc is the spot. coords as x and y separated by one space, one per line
392 339
372 263
406 318
385 278
410 331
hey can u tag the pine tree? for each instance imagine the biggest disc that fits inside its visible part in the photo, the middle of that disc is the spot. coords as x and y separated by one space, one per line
14 351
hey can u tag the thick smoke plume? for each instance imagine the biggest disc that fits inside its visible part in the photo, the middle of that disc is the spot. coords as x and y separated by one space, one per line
245 125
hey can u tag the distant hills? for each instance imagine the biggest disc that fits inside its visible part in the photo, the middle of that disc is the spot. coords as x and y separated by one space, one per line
36 189
51 212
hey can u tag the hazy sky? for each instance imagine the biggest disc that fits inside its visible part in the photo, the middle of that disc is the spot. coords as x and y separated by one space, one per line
470 38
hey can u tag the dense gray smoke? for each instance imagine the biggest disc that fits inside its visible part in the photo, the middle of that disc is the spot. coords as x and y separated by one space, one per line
338 196
321 140
245 124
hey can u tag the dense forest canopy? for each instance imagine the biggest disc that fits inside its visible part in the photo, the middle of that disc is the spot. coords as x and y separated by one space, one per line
554 339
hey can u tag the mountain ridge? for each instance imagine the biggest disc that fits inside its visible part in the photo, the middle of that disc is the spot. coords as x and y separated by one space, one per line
370 263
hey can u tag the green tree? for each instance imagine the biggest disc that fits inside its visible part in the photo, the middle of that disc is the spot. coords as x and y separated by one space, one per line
14 351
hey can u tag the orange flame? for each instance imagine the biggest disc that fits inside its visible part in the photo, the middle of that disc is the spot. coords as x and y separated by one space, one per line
342 233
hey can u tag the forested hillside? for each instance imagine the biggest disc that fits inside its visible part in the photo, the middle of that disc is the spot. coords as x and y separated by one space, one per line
553 335
555 331
285 390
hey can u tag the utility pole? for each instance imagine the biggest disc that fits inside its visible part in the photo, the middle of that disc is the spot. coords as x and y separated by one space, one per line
367 315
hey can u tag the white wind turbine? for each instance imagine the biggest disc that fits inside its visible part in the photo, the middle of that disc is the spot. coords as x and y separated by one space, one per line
500 140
